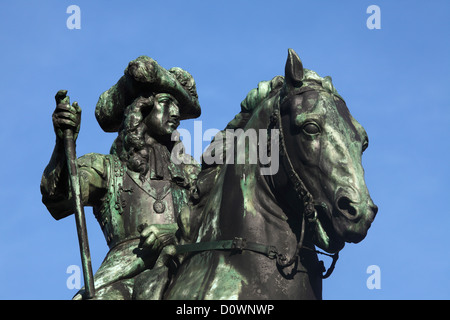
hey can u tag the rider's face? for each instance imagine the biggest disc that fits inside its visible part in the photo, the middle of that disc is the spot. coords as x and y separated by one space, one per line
164 118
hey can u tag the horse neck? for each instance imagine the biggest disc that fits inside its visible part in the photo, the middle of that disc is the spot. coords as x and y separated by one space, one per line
243 203
249 209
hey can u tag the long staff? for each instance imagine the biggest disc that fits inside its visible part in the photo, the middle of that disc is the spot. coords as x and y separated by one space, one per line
69 147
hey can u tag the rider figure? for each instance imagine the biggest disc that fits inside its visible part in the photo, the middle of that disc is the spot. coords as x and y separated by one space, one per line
138 184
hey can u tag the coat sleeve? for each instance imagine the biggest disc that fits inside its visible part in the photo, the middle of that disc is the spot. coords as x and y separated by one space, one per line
93 175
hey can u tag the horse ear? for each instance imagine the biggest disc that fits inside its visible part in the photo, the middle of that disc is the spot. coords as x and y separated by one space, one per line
294 69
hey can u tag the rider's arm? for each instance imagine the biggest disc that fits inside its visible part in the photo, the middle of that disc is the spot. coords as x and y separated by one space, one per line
55 190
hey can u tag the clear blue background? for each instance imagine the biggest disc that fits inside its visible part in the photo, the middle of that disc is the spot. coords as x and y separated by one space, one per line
395 81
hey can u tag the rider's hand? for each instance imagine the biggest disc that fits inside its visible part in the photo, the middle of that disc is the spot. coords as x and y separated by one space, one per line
156 236
66 116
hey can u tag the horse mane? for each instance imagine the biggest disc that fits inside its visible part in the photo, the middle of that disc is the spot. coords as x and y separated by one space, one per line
254 98
267 89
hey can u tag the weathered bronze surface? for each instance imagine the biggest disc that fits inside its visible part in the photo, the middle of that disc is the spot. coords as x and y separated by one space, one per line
138 184
234 230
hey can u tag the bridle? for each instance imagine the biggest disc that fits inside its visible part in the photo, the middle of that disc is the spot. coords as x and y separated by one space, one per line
309 212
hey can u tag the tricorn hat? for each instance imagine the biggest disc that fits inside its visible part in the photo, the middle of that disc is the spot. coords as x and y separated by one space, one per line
142 77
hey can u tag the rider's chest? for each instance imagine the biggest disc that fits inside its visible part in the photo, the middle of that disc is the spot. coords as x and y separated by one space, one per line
148 201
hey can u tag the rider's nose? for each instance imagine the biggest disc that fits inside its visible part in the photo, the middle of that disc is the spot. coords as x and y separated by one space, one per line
174 112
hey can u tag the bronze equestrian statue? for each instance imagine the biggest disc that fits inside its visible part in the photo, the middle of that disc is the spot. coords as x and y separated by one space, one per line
234 229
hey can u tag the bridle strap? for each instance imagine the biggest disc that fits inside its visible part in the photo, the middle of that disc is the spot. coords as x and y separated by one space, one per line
309 212
301 191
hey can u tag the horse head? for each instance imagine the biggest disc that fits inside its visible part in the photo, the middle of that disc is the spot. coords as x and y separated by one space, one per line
325 145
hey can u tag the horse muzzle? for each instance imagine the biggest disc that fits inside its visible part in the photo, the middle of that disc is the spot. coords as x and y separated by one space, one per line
352 218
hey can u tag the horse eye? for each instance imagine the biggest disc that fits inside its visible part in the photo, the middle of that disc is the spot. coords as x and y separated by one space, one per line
311 128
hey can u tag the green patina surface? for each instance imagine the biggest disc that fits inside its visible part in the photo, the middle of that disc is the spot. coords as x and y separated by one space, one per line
139 194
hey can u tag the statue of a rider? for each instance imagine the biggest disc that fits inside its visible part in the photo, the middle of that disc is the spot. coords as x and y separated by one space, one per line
138 184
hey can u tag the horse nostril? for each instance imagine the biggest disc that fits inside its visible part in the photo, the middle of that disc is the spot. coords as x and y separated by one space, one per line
345 206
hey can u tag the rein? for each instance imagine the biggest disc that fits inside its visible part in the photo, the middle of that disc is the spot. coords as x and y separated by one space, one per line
237 245
309 214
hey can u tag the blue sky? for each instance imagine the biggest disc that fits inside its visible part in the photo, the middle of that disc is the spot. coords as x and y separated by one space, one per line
395 81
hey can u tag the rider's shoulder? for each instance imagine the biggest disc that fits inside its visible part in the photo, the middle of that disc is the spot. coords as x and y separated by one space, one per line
96 161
